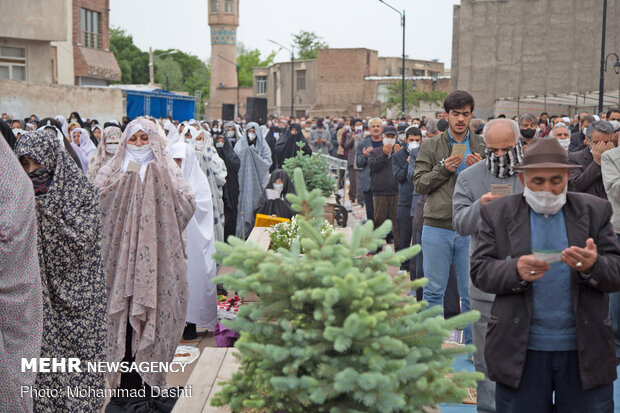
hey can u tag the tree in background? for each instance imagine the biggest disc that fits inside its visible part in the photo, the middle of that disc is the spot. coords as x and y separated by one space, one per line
186 72
307 44
133 62
247 59
413 96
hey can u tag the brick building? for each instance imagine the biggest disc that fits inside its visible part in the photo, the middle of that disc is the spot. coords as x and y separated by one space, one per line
345 82
94 63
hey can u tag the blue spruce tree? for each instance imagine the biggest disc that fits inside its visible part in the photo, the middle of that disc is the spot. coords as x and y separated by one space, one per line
332 330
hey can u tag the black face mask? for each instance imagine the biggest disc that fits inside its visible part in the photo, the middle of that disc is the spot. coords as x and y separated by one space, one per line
41 180
40 176
528 133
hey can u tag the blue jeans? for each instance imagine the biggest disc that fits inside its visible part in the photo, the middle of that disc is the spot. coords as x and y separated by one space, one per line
442 247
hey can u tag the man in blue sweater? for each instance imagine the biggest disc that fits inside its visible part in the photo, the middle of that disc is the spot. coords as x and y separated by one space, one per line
551 258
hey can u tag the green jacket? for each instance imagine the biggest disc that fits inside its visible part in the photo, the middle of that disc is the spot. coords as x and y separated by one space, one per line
433 179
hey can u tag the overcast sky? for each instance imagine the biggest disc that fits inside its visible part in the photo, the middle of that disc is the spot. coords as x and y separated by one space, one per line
183 24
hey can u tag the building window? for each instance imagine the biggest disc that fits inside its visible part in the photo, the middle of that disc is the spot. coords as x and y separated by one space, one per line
432 74
91 29
261 85
382 92
228 6
301 80
400 71
215 6
418 72
12 63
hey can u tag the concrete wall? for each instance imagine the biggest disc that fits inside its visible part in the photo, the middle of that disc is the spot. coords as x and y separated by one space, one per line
524 47
64 52
40 20
21 99
38 58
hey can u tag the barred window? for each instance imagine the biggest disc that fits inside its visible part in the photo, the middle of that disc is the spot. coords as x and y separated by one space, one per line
261 85
91 29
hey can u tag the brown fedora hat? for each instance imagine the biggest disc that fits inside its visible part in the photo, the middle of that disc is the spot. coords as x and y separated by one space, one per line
545 153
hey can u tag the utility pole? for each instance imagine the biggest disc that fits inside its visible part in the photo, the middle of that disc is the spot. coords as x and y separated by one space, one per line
402 89
151 71
601 88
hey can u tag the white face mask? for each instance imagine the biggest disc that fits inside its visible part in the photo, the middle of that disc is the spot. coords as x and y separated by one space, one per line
308 129
423 132
278 188
383 123
72 120
387 141
219 144
111 148
200 146
401 136
251 136
347 127
413 145
565 143
230 134
140 153
543 202
359 128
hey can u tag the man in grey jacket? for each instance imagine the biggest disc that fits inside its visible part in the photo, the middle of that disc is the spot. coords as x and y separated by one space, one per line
475 186
321 138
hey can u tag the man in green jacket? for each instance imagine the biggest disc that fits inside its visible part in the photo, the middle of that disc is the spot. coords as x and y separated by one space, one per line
439 161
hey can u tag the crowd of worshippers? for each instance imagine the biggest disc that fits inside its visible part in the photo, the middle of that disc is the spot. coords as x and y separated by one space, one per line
518 218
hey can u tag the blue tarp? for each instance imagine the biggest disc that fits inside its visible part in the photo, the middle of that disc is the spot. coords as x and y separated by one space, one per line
159 104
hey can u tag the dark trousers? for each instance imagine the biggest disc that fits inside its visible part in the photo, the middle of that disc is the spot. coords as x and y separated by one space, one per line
352 183
551 383
385 208
614 316
451 298
370 210
405 228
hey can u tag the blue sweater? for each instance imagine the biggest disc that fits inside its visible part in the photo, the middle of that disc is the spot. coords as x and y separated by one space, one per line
553 321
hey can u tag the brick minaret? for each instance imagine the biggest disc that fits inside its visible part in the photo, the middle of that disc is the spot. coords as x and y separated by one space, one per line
223 20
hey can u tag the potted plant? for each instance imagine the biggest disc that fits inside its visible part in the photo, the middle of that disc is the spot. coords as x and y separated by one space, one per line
332 330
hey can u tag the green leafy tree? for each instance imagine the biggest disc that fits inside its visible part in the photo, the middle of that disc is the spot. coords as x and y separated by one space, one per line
413 97
332 330
167 65
248 59
133 62
307 44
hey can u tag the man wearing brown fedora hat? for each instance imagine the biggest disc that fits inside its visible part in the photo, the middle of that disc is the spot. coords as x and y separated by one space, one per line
551 258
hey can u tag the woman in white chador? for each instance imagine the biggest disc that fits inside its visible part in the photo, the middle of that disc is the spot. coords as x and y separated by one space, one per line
214 168
201 268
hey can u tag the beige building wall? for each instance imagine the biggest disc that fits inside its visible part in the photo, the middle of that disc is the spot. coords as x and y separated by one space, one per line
38 58
21 99
278 88
391 66
40 20
64 52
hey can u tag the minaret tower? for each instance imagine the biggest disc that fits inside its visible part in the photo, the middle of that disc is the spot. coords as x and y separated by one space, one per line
223 21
